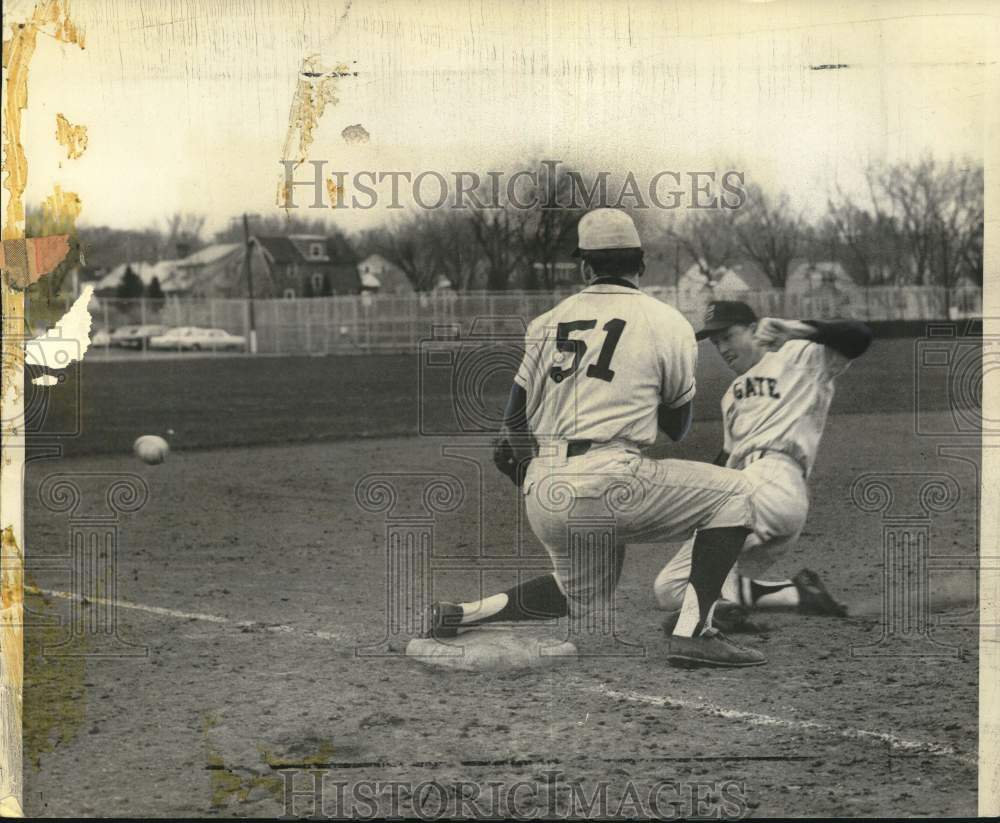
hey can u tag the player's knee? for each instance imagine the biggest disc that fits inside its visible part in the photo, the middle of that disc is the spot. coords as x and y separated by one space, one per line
736 511
668 589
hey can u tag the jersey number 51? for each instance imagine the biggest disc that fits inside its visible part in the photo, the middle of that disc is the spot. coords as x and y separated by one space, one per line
602 368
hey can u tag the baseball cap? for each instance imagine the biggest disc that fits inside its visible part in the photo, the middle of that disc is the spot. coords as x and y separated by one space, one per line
721 314
606 229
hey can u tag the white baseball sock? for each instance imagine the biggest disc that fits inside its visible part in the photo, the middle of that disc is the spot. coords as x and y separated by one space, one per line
688 619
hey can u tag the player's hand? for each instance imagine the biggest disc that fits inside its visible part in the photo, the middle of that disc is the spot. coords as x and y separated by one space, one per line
773 332
510 459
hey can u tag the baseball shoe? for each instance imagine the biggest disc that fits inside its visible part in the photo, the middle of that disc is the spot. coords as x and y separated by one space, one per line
444 620
728 617
813 596
711 648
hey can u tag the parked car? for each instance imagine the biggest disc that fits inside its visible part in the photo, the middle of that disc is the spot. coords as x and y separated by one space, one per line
101 337
122 333
192 338
136 337
173 338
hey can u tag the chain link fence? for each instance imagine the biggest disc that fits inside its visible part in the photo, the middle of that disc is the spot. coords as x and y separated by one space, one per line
398 323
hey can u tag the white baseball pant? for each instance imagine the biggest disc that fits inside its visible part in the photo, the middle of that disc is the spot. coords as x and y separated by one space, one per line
780 500
586 509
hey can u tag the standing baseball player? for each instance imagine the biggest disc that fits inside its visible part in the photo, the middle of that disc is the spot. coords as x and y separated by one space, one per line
773 416
601 371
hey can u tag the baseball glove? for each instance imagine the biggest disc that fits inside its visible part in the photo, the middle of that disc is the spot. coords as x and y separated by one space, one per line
511 459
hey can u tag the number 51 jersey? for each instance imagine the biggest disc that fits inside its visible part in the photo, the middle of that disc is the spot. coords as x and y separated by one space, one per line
599 364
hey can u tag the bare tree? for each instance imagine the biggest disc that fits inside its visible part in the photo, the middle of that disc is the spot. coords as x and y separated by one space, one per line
906 193
769 232
104 247
867 239
550 230
972 254
500 235
938 209
406 244
503 240
528 237
958 224
276 224
183 234
707 237
453 246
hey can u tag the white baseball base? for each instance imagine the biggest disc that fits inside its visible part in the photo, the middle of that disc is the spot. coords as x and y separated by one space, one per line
492 649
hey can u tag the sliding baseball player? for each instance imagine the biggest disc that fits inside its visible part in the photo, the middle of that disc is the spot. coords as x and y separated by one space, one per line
773 416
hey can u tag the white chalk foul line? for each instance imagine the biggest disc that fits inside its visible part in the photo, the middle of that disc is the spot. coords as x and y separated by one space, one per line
753 718
182 615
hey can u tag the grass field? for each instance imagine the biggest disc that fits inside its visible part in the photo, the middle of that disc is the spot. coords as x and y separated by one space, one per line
240 401
252 575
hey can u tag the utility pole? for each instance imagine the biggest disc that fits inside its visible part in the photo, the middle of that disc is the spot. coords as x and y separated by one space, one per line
246 267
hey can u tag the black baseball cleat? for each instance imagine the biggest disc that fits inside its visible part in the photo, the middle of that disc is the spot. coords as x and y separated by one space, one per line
728 617
814 598
444 620
711 648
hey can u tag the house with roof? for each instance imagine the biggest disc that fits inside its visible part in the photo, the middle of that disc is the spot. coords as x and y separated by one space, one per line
383 276
966 299
219 271
107 286
699 281
822 288
214 271
309 265
814 276
743 276
293 266
741 280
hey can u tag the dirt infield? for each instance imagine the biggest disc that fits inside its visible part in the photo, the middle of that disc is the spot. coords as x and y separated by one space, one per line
252 576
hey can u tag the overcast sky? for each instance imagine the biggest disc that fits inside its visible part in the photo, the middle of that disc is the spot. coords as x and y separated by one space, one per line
187 103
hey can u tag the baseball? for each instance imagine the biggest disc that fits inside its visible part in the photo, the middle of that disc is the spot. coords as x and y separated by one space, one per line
151 449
